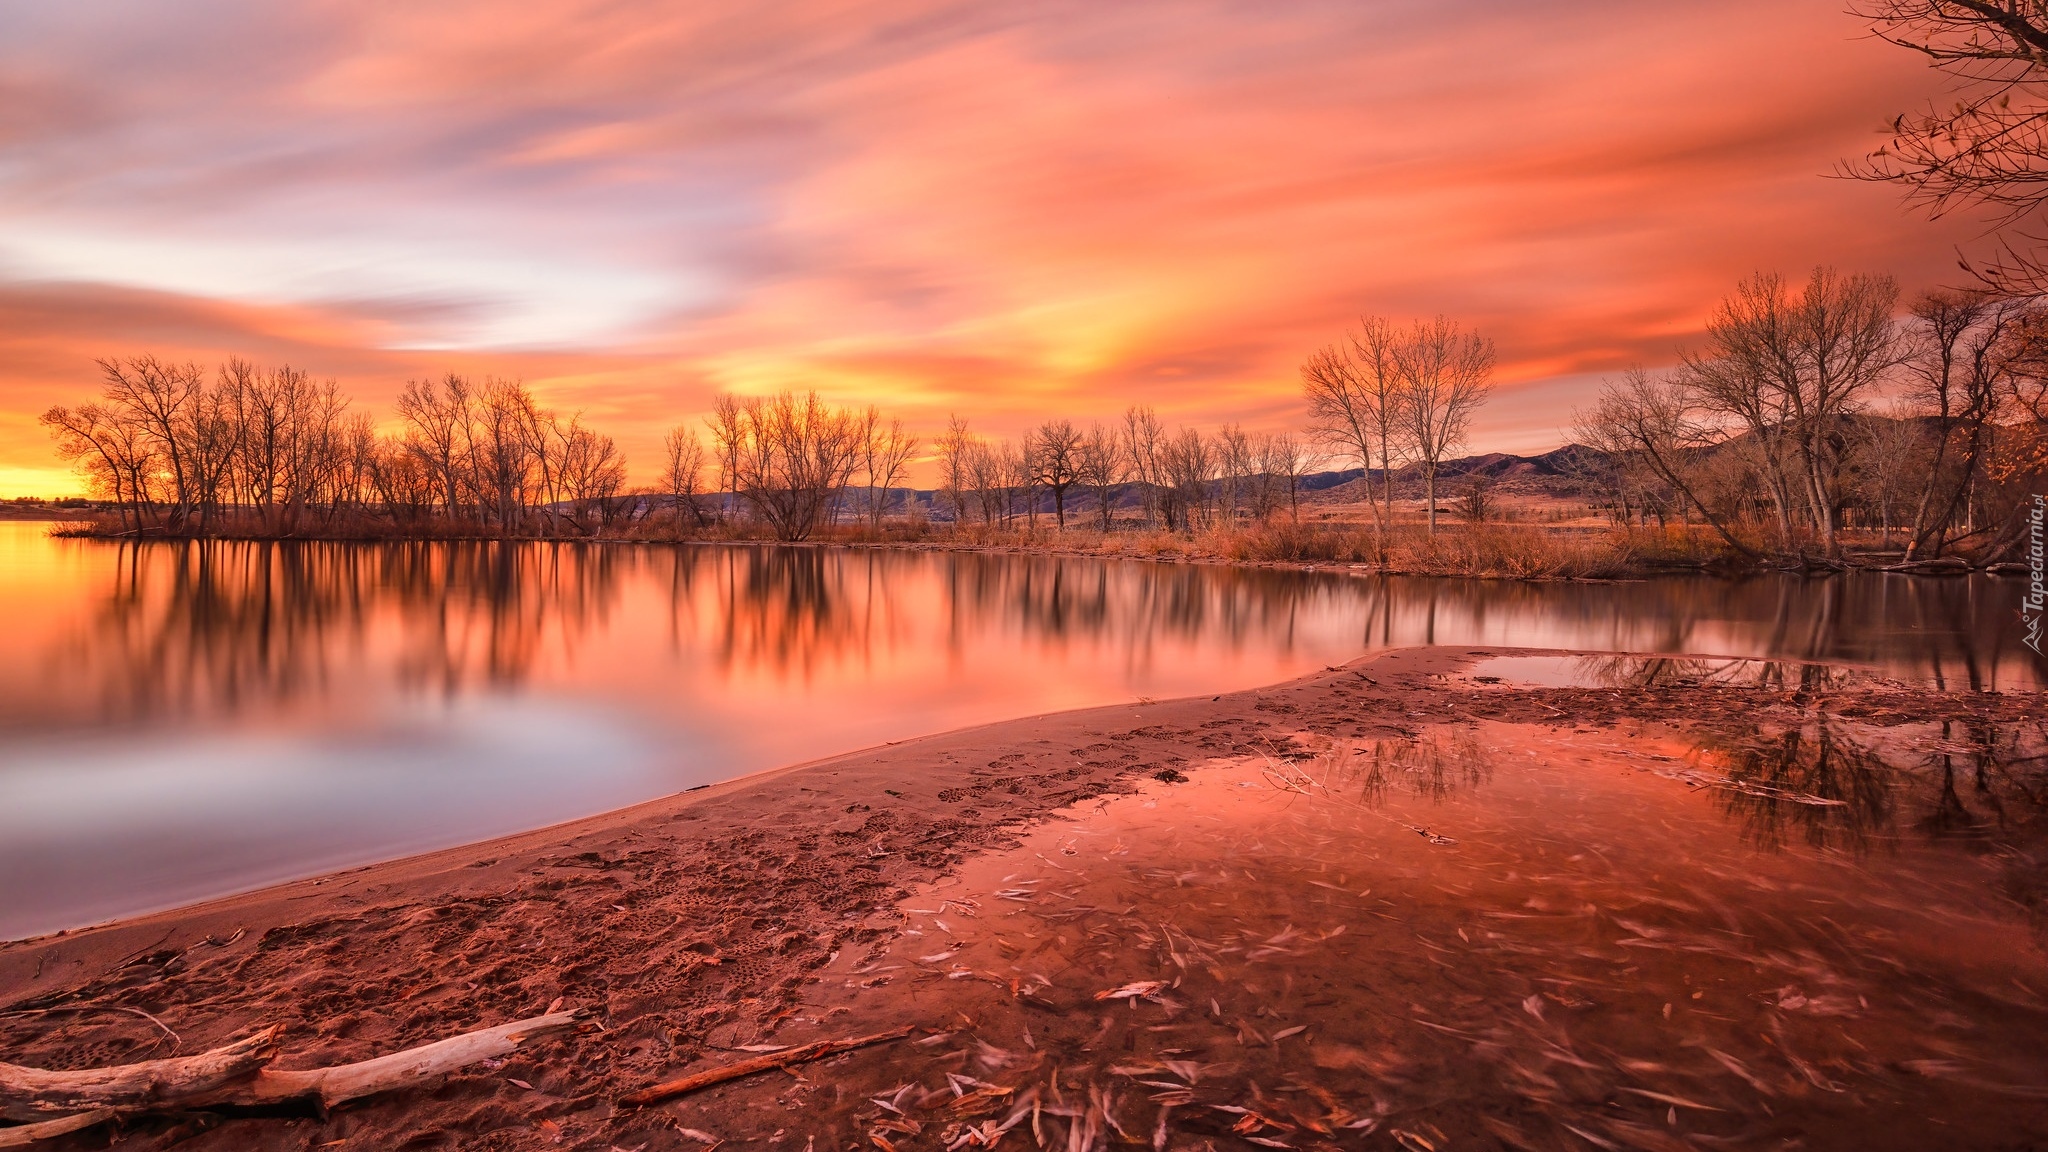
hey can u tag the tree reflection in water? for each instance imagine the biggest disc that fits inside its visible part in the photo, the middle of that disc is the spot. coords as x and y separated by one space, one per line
1835 785
188 629
198 627
1433 765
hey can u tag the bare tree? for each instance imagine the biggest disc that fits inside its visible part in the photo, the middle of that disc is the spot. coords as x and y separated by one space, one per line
438 419
988 476
1358 405
682 472
592 474
1235 467
885 451
111 452
1187 462
1651 422
1989 145
1890 449
157 398
1963 351
319 445
502 458
956 465
2026 383
1054 448
1099 464
795 455
1284 460
401 482
212 442
1791 369
1477 504
728 424
1447 374
1021 477
1143 437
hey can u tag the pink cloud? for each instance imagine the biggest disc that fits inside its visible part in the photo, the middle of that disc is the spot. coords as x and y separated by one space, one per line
1006 210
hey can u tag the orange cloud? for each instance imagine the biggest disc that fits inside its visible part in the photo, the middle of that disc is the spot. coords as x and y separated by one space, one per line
1001 210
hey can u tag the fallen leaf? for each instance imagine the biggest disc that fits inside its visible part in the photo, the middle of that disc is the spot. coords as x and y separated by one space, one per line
1132 991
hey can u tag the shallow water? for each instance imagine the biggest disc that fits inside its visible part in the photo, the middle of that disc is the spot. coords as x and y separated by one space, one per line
184 720
1495 936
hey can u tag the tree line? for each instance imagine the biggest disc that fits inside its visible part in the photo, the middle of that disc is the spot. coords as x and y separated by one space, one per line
1808 410
796 463
271 451
181 451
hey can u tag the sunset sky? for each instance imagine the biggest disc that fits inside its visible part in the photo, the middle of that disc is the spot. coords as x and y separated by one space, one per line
1009 210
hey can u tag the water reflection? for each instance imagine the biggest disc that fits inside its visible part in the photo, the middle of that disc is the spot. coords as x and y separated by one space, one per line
1578 953
317 668
1835 785
174 630
1434 765
1811 782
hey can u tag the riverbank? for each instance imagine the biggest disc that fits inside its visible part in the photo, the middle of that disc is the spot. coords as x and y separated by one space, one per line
1491 550
702 923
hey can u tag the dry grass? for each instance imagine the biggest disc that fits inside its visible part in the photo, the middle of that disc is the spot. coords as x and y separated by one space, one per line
1503 551
1517 551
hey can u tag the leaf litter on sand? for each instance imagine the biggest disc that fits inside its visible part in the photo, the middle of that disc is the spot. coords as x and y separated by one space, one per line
1272 953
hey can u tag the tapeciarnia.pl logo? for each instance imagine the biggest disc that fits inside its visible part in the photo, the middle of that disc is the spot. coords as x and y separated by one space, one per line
2031 607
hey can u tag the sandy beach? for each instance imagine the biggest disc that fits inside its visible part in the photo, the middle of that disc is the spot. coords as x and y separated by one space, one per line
702 926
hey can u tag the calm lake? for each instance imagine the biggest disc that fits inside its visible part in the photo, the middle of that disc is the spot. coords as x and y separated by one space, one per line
183 720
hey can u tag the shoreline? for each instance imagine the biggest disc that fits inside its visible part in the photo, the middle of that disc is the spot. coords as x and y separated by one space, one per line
1717 566
511 842
714 909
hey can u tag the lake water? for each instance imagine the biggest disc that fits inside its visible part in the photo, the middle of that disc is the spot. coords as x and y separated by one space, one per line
185 720
1488 935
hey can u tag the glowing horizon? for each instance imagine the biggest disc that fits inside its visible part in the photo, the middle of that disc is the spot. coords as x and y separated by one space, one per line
1059 209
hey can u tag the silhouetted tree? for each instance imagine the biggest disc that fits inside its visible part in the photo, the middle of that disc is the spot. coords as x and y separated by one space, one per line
1099 464
885 451
1054 450
1989 145
682 471
1446 374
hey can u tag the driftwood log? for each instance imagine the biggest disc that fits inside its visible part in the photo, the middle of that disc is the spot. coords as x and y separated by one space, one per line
801 1054
39 1094
238 1075
21 1136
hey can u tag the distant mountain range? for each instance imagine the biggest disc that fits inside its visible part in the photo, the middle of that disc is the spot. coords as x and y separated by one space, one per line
1554 473
1558 472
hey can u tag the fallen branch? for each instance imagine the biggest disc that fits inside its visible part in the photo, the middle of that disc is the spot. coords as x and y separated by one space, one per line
802 1054
238 1075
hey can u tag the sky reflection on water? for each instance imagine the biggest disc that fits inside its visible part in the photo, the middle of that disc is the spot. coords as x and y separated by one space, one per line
1497 935
183 720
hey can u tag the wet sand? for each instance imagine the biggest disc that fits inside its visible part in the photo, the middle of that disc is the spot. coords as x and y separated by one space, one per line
1360 899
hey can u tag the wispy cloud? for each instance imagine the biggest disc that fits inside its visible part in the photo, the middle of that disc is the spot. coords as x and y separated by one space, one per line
997 208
